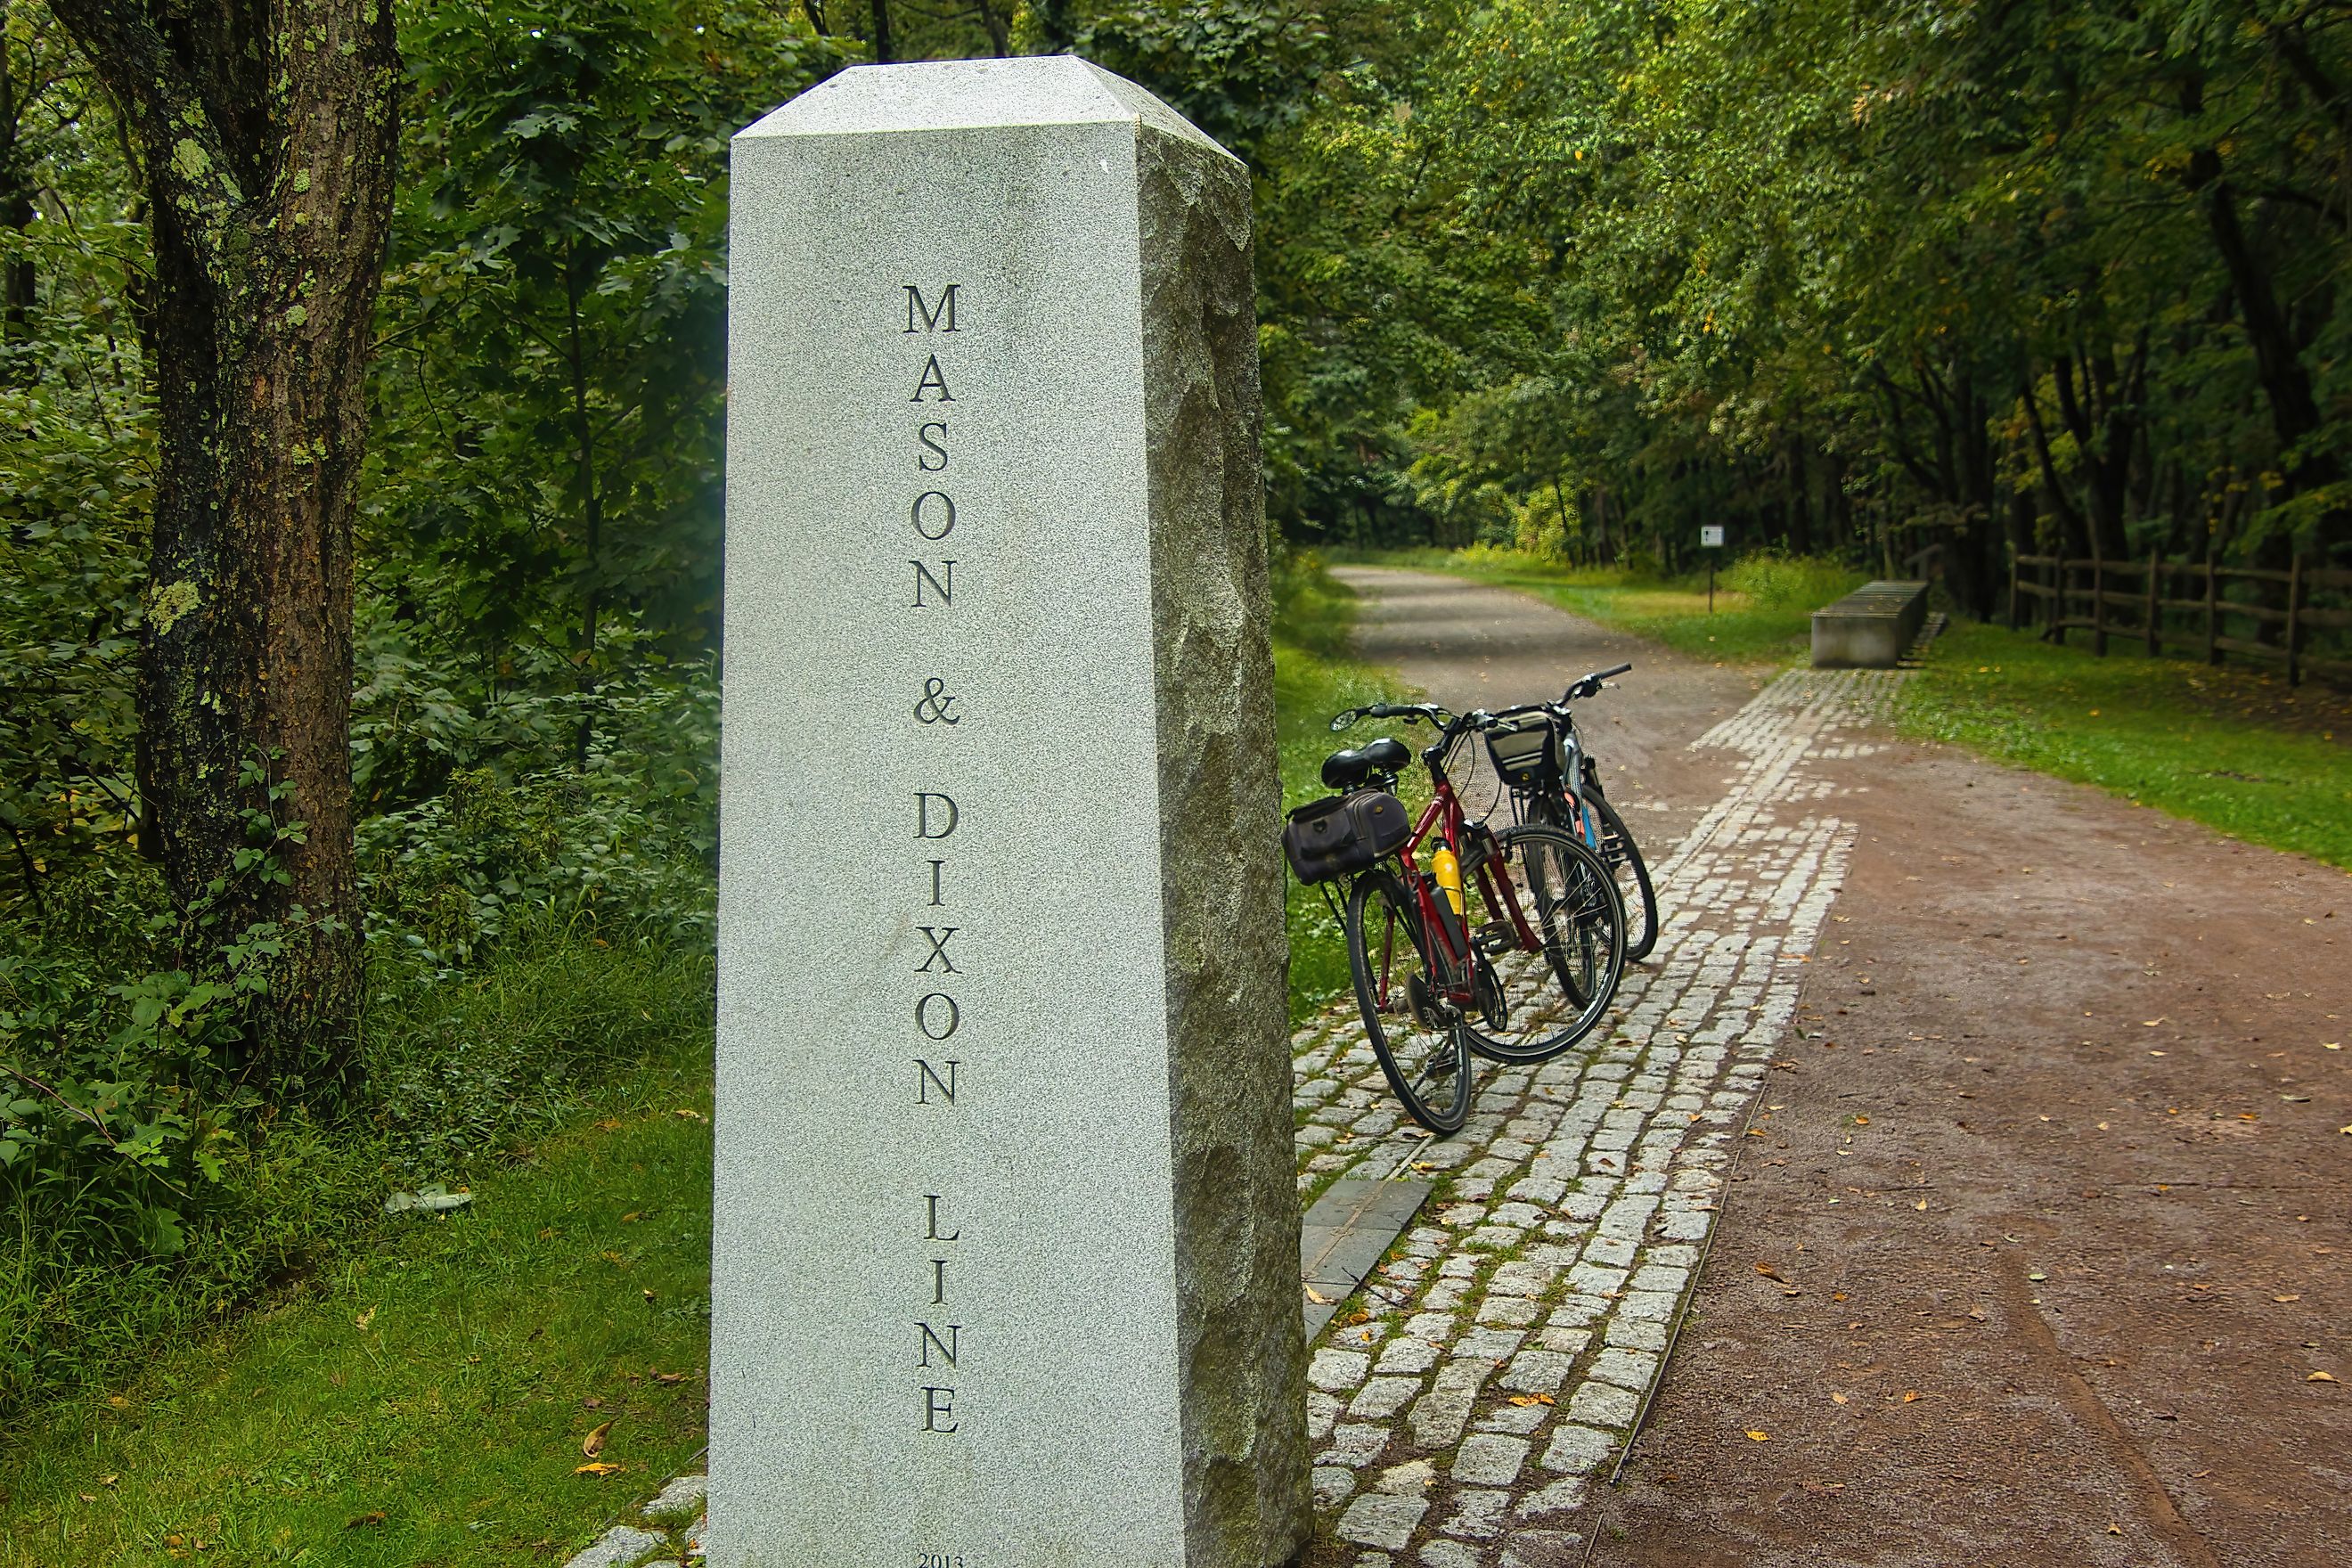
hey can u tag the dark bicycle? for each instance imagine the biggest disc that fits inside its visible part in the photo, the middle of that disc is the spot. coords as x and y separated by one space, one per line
1538 754
1506 943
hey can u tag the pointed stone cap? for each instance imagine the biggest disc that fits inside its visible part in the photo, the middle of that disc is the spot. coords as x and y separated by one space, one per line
966 95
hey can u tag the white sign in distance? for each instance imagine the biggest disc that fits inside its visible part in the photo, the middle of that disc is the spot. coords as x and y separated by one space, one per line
1710 536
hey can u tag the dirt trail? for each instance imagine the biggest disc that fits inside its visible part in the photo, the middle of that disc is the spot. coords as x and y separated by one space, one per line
1486 647
2049 1182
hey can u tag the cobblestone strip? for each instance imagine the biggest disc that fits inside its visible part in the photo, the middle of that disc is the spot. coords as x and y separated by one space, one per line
1460 1406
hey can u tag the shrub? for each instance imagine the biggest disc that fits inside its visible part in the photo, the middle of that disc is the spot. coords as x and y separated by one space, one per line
1773 580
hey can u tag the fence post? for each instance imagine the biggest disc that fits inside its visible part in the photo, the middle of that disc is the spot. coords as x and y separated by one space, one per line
2212 651
2099 604
2062 582
2155 603
2295 620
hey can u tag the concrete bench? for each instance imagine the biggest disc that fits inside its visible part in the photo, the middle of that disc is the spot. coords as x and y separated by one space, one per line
1870 627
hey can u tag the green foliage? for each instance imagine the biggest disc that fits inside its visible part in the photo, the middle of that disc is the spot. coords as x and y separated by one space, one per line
548 458
2228 748
1774 580
425 1399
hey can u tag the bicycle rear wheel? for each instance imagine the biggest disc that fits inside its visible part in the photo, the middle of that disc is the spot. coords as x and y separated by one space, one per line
1633 878
1418 1036
1539 882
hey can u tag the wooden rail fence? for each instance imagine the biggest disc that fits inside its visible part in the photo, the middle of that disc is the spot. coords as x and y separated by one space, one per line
2087 596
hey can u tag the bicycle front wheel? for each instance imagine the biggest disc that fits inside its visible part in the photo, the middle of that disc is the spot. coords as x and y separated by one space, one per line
1633 877
1417 1034
1548 926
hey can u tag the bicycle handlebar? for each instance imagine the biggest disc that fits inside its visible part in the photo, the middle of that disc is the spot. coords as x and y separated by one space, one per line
1429 712
1591 685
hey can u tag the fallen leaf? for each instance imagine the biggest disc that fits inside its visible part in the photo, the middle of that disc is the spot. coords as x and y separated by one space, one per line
2296 1296
2149 1023
364 1318
1910 1395
374 1516
1839 1399
1317 1297
599 1470
2114 1529
1862 1122
1823 1488
593 1444
2320 1377
1525 1400
1770 1272
1758 1436
1921 1205
107 1480
669 1377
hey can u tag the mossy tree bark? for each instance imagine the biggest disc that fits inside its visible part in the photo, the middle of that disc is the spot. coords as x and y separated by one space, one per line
266 132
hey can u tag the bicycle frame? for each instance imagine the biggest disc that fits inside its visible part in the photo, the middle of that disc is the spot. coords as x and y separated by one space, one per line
1448 933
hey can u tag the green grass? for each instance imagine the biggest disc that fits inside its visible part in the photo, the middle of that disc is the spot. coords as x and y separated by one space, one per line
1314 677
427 1401
2231 749
1762 605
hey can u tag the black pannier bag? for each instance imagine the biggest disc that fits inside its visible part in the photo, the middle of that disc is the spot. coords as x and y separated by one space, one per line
1344 834
1530 758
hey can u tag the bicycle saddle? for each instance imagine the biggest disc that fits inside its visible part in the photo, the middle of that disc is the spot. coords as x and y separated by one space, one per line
1346 770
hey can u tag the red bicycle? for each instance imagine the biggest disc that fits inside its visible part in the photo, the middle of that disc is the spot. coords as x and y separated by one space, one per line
1508 944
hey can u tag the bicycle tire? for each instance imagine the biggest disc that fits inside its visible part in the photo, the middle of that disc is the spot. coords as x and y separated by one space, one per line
1441 1051
1618 848
1583 954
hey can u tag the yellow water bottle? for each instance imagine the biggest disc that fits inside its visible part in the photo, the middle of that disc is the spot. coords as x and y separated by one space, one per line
1449 876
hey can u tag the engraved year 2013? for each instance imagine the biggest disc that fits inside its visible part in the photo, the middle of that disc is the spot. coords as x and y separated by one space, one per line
939 1559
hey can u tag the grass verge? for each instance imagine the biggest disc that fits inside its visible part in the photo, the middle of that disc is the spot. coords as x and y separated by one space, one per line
427 1400
1761 612
2232 749
1314 677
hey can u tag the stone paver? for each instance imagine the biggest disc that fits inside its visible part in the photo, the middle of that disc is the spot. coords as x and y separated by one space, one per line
1506 1347
1379 1519
619 1547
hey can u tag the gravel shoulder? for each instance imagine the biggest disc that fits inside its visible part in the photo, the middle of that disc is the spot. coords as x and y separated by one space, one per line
2056 1198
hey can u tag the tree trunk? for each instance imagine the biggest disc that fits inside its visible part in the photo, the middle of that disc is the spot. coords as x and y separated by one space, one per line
883 55
17 277
1000 31
268 141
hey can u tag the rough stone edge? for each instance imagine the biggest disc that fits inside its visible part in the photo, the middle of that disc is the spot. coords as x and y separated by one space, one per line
1241 1349
680 1500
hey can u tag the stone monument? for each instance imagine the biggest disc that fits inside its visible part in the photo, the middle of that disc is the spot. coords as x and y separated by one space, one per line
1006 1262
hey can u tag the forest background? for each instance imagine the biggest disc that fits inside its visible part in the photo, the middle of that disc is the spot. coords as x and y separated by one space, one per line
1559 281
